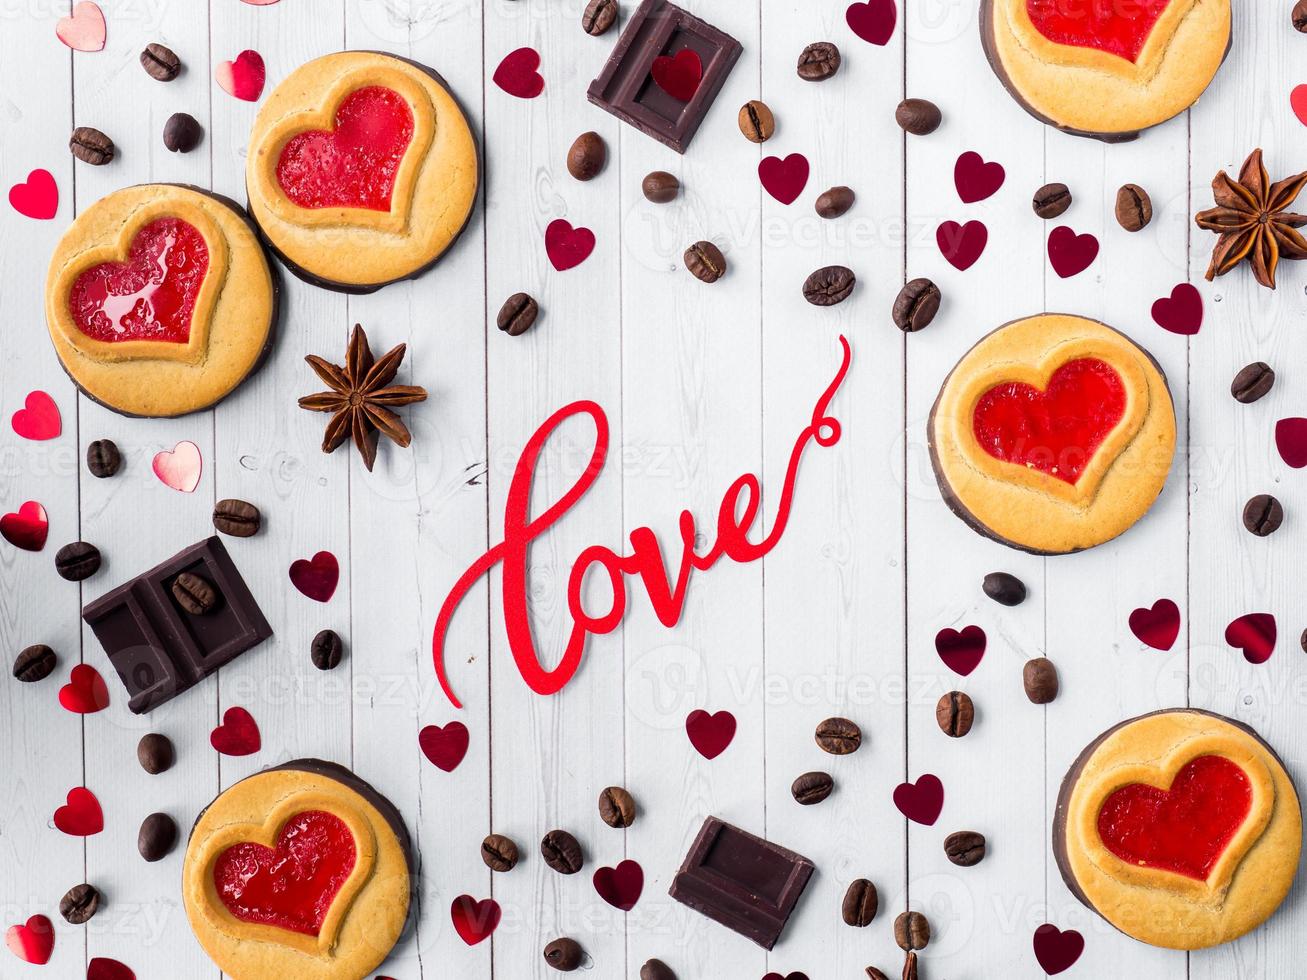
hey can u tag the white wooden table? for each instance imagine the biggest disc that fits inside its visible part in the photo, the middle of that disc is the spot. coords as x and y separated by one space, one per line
701 384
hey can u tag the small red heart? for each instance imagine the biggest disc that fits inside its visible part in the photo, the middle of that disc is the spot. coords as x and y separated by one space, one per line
32 943
1157 626
1071 254
38 419
1254 634
567 247
237 735
961 652
180 467
517 74
1057 950
317 577
921 801
962 245
474 921
1182 313
81 815
621 886
678 76
1291 441
84 30
103 968
975 179
243 78
26 529
1298 100
85 693
873 21
710 734
444 747
37 198
784 179
788 976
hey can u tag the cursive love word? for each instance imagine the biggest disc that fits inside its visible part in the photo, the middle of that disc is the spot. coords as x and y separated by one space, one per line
739 509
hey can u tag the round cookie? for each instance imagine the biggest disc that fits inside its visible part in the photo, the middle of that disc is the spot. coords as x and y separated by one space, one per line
1105 70
300 871
1053 434
1181 828
362 170
160 300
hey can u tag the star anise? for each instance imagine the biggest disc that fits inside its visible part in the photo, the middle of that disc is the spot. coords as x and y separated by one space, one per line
1252 220
361 398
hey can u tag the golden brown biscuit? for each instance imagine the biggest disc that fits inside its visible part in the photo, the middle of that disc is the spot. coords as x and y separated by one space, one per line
160 300
1053 434
302 871
362 170
1181 828
1105 70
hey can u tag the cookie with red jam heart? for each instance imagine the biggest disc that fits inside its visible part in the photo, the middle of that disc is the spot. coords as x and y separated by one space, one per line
1106 70
1181 828
362 170
160 300
1053 434
301 871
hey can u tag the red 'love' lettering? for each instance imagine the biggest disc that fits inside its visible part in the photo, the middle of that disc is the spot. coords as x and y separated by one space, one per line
736 516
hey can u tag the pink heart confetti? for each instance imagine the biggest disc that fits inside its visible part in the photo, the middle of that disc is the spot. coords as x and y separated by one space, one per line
84 29
1298 102
37 197
38 419
180 467
243 78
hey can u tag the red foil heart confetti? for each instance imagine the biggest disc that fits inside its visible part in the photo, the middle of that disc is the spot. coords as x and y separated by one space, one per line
710 734
784 179
922 801
32 942
474 921
679 75
237 735
1157 626
38 419
567 247
444 747
27 528
621 886
242 78
1254 635
961 651
316 577
518 74
961 245
37 197
81 815
103 968
976 179
86 692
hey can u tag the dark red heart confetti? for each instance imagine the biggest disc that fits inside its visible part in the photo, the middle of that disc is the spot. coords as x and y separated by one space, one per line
961 651
710 734
873 21
1057 950
317 577
37 198
1181 312
621 886
32 942
103 968
38 419
788 976
679 76
1254 634
921 801
567 247
237 735
1071 254
784 179
962 245
27 528
1157 626
474 921
81 815
85 693
975 178
517 74
444 747
1290 440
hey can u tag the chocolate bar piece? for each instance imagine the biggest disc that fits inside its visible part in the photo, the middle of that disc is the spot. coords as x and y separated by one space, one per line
741 881
626 86
160 650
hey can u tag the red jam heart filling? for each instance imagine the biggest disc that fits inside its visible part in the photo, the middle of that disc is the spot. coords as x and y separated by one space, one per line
1184 830
1119 27
354 165
293 886
1056 431
152 295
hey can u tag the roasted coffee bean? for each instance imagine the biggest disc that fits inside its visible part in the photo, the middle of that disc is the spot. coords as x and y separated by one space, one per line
1252 382
1263 515
77 561
919 117
955 714
517 314
838 736
1051 200
656 970
966 848
587 156
874 974
195 594
1134 208
1005 589
35 663
834 202
564 955
239 518
157 837
705 261
812 787
861 902
499 853
916 305
911 931
1040 679
79 904
160 62
599 16
617 807
91 146
103 458
829 285
326 649
819 61
1300 16
1302 641
561 852
182 132
757 122
155 753
660 187
910 967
